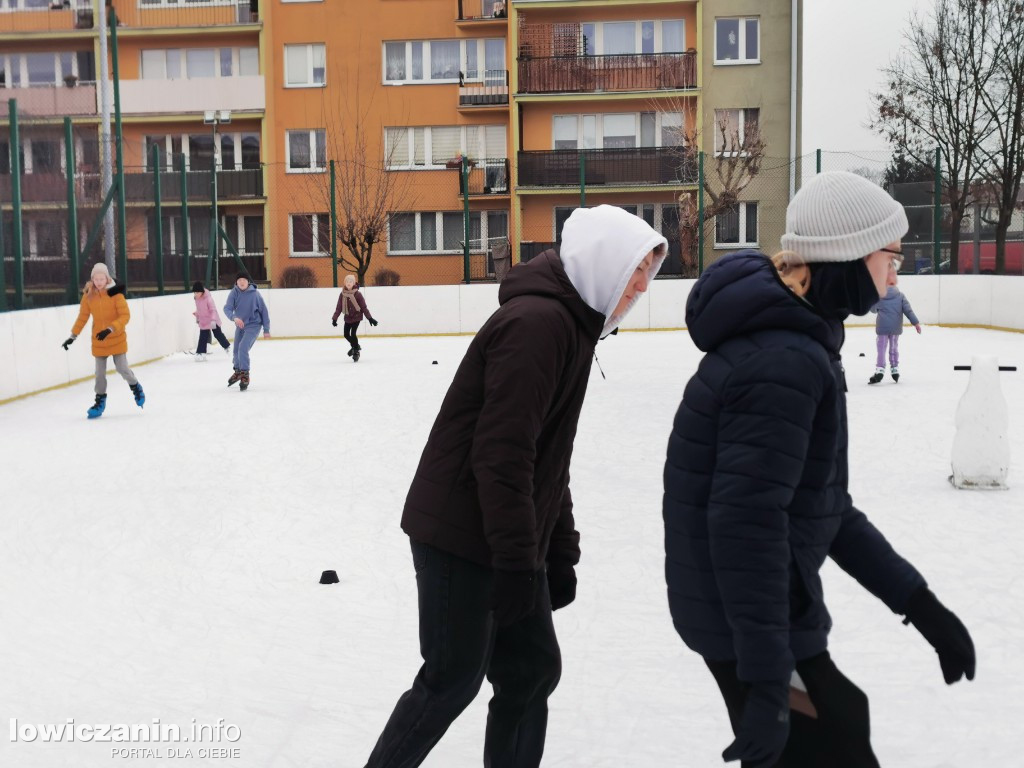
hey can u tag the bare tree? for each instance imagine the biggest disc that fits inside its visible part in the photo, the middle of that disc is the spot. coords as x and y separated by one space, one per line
731 167
934 97
366 191
1004 103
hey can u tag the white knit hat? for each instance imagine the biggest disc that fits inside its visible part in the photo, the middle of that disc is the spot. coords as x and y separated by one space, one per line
840 216
100 268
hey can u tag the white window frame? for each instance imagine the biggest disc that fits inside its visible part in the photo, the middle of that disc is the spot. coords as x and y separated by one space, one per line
18 6
741 122
472 144
309 65
599 129
236 60
312 133
658 217
742 243
20 60
439 232
659 46
741 43
170 161
292 253
481 57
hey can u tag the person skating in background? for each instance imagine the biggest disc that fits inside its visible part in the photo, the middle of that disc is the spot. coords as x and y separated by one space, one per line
208 320
489 513
104 301
891 309
756 483
247 310
352 306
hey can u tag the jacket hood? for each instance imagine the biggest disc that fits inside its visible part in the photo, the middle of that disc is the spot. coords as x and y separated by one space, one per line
545 275
115 288
742 293
251 287
601 248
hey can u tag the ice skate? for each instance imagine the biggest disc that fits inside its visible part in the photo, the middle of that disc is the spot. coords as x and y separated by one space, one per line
98 407
877 376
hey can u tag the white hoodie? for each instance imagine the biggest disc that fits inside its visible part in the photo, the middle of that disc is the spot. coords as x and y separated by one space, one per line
601 249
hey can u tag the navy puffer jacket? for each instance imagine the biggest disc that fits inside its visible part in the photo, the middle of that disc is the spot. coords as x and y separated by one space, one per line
756 478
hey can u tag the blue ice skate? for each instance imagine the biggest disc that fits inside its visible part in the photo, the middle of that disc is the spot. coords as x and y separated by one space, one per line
98 407
140 396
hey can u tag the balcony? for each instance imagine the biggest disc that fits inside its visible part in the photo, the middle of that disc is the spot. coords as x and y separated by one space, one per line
231 186
237 94
37 188
55 100
18 17
150 14
489 176
635 166
617 73
482 12
492 91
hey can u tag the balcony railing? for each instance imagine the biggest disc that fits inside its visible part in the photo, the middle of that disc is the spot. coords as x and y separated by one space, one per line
231 185
635 166
56 100
483 10
489 92
628 72
184 13
41 16
488 176
36 188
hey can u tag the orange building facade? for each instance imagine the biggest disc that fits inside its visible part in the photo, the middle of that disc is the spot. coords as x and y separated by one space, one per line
553 104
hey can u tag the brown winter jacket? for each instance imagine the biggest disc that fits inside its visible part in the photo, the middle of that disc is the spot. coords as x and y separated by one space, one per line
492 485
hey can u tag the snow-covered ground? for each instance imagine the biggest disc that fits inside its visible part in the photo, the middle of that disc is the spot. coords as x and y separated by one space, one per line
164 563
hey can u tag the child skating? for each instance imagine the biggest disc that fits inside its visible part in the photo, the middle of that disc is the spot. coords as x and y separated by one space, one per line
247 310
889 326
352 305
208 320
104 301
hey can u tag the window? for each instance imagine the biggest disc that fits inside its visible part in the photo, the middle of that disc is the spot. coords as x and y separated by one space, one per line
733 128
444 231
46 156
45 238
443 61
617 130
194 63
201 62
248 62
305 65
430 147
310 234
737 227
41 68
307 150
737 41
626 38
236 151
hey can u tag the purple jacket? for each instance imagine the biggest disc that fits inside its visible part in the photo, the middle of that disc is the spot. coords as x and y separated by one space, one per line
206 312
355 313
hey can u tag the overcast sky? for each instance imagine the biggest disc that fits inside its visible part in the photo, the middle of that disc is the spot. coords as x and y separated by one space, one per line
846 44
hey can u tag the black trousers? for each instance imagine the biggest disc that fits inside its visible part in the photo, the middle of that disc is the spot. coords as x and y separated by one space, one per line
204 339
840 737
350 334
460 644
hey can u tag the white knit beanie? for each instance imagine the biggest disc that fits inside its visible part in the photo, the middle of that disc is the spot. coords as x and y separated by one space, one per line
840 216
100 268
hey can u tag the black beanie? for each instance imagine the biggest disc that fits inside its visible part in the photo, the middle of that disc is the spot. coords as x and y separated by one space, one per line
242 274
197 287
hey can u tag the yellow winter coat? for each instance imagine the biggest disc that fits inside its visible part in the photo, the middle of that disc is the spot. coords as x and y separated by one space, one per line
109 310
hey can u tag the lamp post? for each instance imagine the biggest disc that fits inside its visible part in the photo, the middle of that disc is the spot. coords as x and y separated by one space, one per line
214 117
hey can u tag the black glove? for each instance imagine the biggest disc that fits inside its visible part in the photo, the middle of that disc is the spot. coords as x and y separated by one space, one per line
514 596
764 726
103 334
946 633
68 343
561 585
373 322
334 322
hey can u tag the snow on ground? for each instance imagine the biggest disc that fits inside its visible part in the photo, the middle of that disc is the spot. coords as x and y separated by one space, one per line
164 563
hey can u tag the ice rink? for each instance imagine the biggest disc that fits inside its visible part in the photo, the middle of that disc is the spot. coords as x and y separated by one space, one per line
164 563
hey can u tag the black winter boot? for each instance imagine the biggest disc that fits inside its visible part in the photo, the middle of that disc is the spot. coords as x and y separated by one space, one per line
244 380
235 377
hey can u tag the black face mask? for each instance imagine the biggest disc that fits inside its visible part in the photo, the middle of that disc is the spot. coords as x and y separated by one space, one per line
841 289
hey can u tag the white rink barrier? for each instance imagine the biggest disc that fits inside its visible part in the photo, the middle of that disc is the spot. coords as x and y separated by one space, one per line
31 358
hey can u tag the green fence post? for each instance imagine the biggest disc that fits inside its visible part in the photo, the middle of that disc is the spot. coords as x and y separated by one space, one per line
159 222
3 268
19 257
334 230
937 214
69 169
583 180
187 257
465 219
817 164
122 224
700 212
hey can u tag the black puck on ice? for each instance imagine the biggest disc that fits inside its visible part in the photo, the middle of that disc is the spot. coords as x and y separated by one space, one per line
434 363
329 577
862 354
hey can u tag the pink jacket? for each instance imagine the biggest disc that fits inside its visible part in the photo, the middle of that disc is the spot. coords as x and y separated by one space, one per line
206 312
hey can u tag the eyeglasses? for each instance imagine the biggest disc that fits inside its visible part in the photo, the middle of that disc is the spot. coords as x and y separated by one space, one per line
897 259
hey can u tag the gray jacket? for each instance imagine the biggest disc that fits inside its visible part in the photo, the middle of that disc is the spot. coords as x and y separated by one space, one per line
890 311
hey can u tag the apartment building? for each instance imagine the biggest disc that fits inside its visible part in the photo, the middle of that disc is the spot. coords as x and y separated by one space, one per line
551 104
